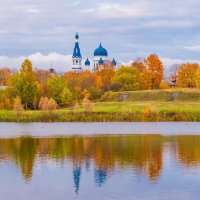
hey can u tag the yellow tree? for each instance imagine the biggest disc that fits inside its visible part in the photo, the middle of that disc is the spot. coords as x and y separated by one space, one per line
186 76
197 78
17 106
154 66
105 73
24 83
4 76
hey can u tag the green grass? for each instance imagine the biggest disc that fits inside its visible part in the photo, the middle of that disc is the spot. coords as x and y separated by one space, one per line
155 95
114 111
186 107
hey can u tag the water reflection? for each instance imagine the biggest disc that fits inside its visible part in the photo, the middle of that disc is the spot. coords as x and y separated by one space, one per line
143 154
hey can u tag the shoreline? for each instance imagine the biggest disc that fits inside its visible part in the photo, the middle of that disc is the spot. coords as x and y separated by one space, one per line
11 130
70 116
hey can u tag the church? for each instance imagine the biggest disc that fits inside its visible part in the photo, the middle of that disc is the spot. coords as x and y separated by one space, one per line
100 58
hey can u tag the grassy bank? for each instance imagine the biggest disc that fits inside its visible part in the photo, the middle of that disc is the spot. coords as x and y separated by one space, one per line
114 111
137 106
182 95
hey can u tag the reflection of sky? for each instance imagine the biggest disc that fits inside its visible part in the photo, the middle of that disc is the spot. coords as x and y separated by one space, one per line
10 130
56 183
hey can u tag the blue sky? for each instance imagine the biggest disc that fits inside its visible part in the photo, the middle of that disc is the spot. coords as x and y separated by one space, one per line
44 29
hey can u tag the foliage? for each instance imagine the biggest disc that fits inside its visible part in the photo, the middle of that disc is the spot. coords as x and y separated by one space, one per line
56 86
186 75
24 83
154 67
128 77
197 78
164 85
17 106
5 74
46 104
88 105
66 97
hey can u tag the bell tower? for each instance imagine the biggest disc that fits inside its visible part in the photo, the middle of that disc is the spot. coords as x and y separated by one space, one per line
77 58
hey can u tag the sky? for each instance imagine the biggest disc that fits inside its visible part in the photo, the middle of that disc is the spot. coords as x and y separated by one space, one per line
44 30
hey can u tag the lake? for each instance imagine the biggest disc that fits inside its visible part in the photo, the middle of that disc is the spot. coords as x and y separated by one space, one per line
100 161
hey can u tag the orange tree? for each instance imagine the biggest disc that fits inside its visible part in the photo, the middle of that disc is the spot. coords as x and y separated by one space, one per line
154 68
186 76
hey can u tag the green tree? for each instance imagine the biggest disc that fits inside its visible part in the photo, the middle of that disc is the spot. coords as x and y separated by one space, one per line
66 97
24 83
128 77
56 85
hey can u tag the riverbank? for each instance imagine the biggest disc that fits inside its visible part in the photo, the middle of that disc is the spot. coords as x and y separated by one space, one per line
134 111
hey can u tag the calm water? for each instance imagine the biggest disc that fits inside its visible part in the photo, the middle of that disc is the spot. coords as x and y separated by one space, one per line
38 166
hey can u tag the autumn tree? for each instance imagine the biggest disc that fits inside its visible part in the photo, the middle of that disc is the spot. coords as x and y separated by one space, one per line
56 85
104 75
4 76
66 97
17 106
145 80
46 104
5 101
128 77
24 83
139 64
197 78
154 69
187 75
78 82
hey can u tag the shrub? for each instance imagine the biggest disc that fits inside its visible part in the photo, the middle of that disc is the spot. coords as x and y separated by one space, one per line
88 105
46 104
17 106
164 85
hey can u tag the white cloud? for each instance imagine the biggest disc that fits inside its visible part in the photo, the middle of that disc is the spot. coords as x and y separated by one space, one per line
63 63
193 48
59 62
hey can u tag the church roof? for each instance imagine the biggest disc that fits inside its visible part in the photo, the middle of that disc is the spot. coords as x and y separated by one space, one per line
100 51
87 62
114 62
77 51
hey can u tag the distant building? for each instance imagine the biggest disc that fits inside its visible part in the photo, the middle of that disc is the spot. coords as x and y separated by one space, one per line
77 58
100 58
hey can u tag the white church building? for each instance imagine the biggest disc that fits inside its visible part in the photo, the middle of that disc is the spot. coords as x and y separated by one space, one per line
100 58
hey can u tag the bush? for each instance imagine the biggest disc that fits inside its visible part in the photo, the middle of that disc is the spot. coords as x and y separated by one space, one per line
17 106
88 105
46 104
164 85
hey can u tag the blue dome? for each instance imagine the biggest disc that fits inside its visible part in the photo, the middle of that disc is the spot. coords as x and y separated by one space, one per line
87 62
77 36
101 61
100 51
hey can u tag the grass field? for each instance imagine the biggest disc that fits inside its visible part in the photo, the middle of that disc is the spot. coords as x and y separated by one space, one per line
185 107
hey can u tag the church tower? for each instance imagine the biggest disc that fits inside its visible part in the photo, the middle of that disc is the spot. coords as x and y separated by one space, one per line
77 58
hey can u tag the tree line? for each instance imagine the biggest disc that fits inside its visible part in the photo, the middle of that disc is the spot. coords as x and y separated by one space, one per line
43 89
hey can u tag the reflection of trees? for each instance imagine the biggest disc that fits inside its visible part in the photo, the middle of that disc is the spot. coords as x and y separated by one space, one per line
22 151
188 150
139 153
142 153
